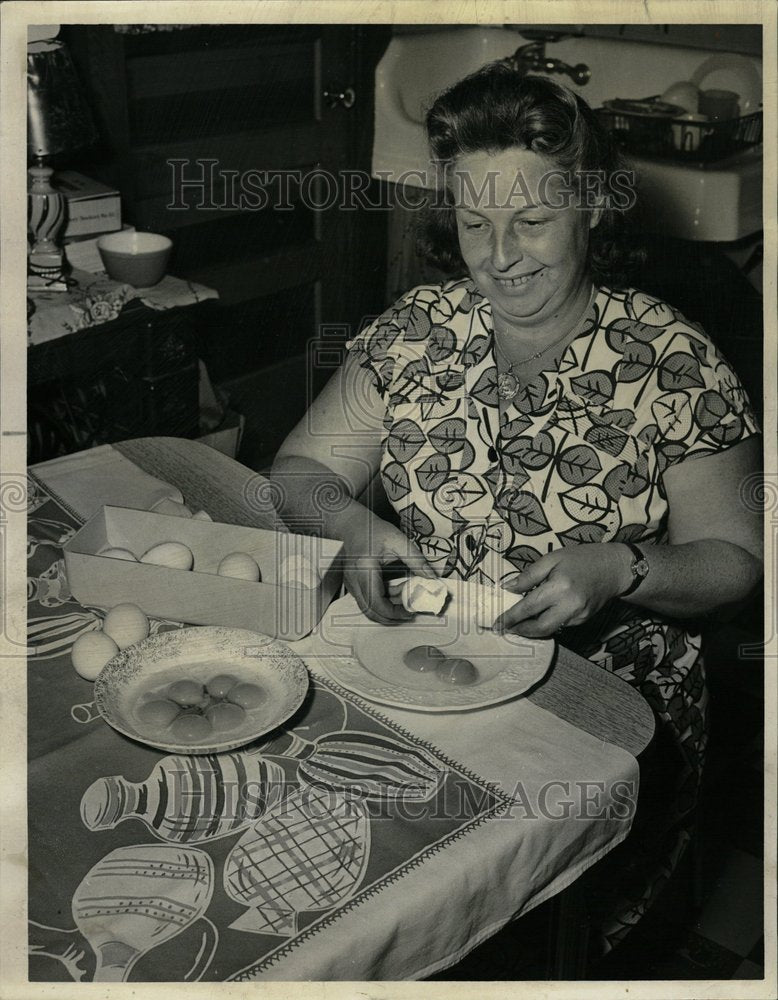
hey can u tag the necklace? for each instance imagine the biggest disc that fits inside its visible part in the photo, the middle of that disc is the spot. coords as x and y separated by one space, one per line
507 381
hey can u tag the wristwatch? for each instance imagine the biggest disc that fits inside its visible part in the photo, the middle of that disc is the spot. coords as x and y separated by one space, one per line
639 569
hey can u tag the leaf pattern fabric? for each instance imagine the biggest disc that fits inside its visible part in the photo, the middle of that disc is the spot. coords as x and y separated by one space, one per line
580 453
577 457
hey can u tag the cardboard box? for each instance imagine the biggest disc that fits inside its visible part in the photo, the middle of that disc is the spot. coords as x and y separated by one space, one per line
200 596
82 252
92 207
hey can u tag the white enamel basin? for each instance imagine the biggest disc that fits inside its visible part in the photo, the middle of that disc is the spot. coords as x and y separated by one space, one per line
721 202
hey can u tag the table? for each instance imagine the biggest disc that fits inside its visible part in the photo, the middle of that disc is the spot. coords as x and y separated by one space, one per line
437 851
106 361
94 299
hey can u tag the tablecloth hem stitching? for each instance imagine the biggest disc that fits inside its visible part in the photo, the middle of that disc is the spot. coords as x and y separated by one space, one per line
368 708
366 894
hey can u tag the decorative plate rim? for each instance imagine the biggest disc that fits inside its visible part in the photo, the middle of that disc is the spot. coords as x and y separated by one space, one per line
131 660
350 674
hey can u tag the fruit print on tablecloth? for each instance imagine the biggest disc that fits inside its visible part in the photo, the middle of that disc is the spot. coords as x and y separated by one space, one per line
339 751
132 901
195 799
308 853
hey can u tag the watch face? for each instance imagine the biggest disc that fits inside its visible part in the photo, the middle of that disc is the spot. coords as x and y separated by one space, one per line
640 568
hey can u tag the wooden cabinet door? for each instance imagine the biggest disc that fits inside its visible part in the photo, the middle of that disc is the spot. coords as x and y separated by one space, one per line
233 102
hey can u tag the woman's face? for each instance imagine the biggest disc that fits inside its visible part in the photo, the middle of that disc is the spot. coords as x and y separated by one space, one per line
521 234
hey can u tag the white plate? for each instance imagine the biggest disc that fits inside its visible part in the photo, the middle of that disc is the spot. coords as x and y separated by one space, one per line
199 654
508 665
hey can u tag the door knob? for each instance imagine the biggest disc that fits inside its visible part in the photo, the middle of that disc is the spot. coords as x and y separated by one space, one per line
340 98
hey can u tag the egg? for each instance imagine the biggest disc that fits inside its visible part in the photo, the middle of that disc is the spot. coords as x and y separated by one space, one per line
186 693
241 566
126 624
455 670
247 695
225 716
159 712
114 552
221 685
91 652
299 572
191 728
174 555
424 596
172 508
423 658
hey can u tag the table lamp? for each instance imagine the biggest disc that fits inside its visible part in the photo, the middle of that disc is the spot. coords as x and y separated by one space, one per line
58 121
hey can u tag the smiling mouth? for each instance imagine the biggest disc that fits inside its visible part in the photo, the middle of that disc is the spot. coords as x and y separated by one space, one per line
518 282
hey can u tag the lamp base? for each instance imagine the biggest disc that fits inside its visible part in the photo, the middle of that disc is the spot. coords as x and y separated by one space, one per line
37 283
46 211
46 276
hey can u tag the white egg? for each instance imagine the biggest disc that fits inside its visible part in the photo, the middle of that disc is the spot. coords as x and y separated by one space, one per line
299 572
126 624
418 594
241 566
91 652
174 555
424 596
201 515
172 508
114 552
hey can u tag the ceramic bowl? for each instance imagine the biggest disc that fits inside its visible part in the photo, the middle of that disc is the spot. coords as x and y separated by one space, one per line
137 259
684 95
199 654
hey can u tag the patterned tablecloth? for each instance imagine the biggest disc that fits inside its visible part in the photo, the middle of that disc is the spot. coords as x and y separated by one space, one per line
95 298
351 844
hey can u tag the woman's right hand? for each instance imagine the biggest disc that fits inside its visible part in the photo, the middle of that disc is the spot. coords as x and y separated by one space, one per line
370 544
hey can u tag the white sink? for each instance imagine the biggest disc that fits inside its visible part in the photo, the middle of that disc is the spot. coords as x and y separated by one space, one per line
721 202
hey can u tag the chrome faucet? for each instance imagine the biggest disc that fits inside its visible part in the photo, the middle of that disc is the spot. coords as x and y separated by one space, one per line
532 58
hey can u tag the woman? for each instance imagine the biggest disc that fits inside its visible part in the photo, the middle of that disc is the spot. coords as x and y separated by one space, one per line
539 426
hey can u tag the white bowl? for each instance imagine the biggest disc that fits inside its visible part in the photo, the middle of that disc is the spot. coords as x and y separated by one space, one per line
198 654
684 95
138 259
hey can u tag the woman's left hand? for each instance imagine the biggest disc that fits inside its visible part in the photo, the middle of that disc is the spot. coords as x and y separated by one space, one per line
566 587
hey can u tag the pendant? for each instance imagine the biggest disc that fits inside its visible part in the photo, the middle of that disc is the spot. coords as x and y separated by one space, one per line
507 385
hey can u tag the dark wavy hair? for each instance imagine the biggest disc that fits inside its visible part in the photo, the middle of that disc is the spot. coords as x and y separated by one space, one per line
498 108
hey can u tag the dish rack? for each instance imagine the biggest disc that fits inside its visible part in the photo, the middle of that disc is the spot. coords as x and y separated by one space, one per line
669 138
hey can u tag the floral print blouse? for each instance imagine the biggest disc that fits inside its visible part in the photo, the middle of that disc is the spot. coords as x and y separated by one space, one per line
577 456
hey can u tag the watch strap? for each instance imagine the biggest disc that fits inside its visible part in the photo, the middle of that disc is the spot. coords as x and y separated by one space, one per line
637 578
